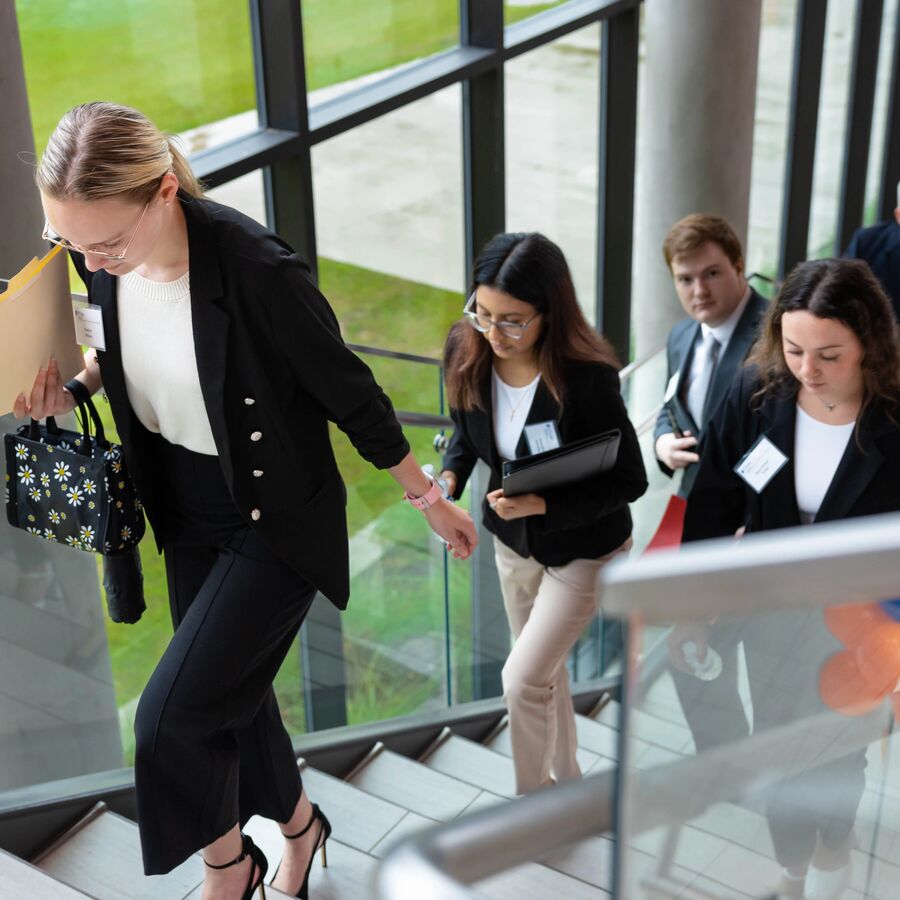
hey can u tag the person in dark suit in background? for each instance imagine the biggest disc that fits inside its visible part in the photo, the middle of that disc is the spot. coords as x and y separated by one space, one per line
223 365
879 246
526 373
705 351
820 403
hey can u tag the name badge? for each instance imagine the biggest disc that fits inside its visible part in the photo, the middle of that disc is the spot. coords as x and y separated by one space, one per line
89 325
542 436
760 464
671 388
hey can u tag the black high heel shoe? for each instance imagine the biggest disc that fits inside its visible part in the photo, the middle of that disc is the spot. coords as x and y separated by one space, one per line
324 834
260 866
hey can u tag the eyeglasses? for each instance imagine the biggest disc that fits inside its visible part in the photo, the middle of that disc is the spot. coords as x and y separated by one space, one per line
48 235
481 323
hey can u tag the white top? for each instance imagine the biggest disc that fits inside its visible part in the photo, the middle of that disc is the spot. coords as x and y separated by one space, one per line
159 360
511 408
818 448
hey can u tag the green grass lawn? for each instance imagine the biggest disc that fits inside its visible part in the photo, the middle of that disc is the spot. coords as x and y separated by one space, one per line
188 62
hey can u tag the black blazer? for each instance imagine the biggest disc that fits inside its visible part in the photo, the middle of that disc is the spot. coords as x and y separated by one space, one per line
879 246
583 520
271 360
866 482
682 340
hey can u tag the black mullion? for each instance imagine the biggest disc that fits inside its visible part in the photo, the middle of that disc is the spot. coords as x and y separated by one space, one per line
869 14
615 207
809 40
890 163
281 90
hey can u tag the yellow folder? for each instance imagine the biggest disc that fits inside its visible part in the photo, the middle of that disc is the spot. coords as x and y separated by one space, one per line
36 322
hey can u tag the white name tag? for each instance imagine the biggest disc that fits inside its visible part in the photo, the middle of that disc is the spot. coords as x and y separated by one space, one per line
89 325
671 388
760 464
542 436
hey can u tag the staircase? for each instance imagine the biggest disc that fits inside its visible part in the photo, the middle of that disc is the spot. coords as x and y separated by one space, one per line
386 797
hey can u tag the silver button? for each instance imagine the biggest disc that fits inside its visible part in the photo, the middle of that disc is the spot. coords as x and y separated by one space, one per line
249 401
256 436
255 514
257 473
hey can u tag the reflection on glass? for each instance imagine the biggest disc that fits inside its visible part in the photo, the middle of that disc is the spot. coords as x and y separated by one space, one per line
775 772
345 39
58 713
552 128
181 77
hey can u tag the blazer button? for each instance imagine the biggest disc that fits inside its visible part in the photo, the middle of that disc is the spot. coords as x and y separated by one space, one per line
255 514
249 401
256 436
257 473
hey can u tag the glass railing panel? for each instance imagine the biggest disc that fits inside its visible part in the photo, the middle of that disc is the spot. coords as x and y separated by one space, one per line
58 710
773 764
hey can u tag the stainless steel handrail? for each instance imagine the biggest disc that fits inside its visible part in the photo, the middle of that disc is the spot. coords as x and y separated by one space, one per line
436 863
627 371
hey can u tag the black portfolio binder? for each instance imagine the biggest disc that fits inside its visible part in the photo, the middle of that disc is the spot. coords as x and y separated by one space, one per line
564 465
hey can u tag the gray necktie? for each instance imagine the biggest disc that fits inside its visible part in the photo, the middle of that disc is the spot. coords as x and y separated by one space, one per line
698 390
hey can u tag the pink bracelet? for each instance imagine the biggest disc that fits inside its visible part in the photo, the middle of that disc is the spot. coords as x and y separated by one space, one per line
428 499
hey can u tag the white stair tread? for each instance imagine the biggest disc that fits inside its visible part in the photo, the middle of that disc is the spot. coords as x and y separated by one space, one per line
359 820
642 727
103 859
500 743
483 801
21 879
533 880
597 737
474 764
414 786
590 861
271 893
410 824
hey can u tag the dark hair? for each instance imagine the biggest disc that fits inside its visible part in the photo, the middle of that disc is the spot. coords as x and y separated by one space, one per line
689 234
530 268
844 290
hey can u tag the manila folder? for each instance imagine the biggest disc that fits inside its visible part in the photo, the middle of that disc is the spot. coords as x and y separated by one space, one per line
36 322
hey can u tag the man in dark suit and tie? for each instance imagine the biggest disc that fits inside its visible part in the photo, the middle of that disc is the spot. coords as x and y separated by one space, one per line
706 351
879 246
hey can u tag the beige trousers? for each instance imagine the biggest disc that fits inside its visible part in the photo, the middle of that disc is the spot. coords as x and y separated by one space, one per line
548 607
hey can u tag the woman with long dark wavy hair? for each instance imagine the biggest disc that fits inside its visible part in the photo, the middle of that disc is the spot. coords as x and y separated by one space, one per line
526 372
821 398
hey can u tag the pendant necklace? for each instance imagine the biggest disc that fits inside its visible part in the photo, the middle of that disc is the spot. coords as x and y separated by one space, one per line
508 391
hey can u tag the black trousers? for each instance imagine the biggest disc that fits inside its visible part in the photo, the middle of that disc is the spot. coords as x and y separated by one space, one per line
211 749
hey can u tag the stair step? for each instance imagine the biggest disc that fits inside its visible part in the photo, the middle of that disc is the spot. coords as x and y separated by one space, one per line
500 743
645 726
597 737
414 786
533 880
590 861
271 893
103 859
412 823
21 879
474 764
359 820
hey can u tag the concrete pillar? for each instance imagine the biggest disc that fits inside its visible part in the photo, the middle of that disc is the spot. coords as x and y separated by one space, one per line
695 137
20 238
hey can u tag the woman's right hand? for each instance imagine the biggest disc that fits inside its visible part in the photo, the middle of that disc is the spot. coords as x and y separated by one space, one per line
48 397
450 479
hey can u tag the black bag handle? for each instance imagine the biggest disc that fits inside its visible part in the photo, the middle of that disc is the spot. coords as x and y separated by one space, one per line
88 413
34 428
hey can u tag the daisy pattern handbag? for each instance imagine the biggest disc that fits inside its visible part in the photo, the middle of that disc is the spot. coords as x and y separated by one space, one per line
72 487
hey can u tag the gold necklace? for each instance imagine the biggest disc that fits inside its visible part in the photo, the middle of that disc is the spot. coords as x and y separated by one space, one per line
508 391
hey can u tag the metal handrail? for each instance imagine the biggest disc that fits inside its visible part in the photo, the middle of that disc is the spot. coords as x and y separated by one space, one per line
627 371
437 862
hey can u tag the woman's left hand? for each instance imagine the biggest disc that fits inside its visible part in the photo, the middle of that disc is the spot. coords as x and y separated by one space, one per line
516 507
455 526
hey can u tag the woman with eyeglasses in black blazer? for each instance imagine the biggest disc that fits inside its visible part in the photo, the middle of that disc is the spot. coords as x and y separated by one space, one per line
526 372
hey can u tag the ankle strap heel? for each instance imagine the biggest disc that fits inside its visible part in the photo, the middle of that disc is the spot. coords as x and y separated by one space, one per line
324 834
259 867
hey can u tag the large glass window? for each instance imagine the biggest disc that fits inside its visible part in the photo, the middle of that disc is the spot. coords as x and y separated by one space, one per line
516 10
552 133
346 39
184 64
